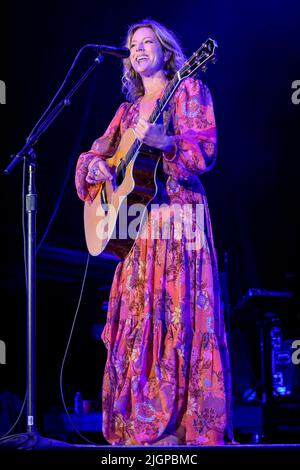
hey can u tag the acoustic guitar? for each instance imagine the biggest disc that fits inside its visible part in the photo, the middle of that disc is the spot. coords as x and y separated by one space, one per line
114 219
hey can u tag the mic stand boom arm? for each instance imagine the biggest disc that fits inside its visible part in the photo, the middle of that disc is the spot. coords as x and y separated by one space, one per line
33 138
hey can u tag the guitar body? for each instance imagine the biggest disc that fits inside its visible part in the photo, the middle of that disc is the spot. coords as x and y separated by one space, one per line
112 220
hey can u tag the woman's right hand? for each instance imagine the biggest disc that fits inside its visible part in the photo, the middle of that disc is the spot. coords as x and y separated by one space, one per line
98 171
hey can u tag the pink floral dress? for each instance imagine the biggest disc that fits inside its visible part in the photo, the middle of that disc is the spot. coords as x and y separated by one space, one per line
167 370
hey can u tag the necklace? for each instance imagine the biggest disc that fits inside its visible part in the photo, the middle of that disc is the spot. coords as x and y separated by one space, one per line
154 94
151 96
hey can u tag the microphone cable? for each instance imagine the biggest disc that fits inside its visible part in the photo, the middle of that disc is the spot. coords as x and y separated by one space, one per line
65 355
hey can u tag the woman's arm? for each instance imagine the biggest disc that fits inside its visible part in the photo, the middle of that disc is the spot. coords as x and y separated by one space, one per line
195 136
103 147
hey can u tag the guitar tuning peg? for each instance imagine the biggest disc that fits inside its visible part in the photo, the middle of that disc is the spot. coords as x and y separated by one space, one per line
214 60
204 68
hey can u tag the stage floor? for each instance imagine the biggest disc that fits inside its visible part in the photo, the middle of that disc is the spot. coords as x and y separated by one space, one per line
49 452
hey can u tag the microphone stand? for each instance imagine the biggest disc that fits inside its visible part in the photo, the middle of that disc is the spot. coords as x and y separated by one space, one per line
32 439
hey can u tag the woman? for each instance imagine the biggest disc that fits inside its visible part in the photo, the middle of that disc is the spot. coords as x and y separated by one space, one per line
167 378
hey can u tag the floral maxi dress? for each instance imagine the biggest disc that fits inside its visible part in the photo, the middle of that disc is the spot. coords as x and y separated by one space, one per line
167 370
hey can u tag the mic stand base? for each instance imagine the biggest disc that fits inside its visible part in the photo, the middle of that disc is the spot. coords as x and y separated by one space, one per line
31 441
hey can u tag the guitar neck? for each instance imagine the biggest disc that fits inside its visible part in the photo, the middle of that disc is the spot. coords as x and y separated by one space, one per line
169 91
204 54
159 108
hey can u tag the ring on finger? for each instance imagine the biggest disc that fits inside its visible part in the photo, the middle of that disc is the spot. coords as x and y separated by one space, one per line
96 172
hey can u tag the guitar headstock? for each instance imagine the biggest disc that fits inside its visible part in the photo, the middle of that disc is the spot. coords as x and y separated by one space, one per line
206 53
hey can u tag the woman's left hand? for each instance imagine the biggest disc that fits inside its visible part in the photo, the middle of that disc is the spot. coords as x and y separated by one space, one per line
153 135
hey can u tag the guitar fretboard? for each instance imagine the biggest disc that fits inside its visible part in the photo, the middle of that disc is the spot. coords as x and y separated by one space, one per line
159 108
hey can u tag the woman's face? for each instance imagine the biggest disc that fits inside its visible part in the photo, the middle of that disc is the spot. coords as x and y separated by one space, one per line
146 54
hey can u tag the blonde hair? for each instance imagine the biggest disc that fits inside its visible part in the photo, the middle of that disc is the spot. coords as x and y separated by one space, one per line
132 85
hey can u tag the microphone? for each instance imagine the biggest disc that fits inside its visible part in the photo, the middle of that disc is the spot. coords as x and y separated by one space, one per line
122 52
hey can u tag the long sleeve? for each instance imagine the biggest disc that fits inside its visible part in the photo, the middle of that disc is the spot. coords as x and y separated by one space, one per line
194 131
103 147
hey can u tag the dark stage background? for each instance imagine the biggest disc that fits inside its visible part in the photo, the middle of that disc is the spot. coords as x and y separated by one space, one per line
253 191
